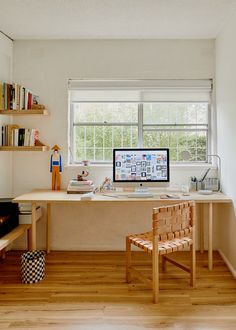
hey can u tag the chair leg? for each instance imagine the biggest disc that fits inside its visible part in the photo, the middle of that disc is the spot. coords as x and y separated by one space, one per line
128 260
155 277
193 266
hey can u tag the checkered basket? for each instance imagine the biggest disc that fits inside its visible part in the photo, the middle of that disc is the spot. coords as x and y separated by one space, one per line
32 266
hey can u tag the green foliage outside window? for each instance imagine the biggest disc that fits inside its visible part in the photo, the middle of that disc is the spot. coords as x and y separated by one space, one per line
99 127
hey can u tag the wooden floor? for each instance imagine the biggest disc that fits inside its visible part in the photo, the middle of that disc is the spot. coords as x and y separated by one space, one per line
87 290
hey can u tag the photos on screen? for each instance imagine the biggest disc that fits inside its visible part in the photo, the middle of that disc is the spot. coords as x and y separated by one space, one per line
140 165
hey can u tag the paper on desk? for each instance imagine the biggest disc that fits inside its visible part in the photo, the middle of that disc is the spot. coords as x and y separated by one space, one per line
169 196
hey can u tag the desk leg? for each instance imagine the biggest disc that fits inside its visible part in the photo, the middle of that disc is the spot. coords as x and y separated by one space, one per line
32 234
201 227
210 225
48 227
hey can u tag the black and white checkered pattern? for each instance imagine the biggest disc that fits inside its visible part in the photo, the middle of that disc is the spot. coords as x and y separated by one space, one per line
32 266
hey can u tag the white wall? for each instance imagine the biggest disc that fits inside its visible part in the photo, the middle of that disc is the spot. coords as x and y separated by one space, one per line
226 118
46 66
6 55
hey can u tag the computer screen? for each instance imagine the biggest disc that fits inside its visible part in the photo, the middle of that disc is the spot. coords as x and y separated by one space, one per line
141 165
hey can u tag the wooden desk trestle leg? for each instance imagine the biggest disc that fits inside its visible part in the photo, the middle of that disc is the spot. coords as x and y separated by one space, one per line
48 227
210 228
32 234
201 227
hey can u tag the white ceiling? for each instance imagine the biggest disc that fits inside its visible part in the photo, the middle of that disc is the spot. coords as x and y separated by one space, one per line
114 19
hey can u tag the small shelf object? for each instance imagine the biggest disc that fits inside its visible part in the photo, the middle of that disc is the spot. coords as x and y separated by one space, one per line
43 112
24 148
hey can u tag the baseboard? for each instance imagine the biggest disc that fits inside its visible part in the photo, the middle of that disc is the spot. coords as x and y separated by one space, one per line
231 268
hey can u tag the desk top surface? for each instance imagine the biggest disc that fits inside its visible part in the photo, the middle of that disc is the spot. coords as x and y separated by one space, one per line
62 197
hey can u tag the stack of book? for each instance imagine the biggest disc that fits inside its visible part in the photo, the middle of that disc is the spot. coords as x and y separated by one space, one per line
80 187
14 136
16 97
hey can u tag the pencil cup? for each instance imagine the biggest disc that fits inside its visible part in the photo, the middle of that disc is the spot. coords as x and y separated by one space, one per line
185 188
199 185
192 186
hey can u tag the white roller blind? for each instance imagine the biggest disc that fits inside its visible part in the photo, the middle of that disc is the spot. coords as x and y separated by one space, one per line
140 90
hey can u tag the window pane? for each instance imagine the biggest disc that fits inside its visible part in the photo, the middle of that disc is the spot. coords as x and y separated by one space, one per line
175 113
107 136
89 153
79 133
194 142
106 112
98 136
201 155
99 154
134 141
151 139
95 143
108 155
98 129
89 136
80 154
155 113
178 126
117 137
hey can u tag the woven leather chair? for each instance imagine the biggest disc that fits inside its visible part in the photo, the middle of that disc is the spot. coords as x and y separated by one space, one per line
173 230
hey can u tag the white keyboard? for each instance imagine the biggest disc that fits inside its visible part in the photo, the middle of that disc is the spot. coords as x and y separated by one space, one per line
140 195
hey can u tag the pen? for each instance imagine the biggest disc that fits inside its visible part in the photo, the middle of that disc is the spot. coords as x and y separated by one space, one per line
204 176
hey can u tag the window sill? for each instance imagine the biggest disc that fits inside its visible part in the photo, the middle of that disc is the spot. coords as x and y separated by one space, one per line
193 166
102 166
172 166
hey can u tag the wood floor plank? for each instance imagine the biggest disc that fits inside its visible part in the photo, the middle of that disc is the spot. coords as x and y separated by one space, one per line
87 290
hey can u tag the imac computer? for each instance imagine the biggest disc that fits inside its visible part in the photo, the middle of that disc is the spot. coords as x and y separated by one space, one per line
141 168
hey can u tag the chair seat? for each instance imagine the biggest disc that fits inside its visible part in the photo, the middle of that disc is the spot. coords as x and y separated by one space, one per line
144 241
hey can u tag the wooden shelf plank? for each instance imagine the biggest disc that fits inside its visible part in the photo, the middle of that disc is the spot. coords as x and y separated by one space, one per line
12 235
24 148
24 112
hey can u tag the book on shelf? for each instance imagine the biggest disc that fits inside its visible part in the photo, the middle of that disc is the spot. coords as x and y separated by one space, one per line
11 129
5 95
8 96
16 97
15 136
1 96
21 137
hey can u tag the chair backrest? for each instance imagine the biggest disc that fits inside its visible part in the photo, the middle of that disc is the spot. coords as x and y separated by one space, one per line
174 221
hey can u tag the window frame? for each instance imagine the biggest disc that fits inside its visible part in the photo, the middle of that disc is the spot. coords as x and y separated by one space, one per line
140 125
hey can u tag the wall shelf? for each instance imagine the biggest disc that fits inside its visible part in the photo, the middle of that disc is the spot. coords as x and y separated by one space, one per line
43 112
24 148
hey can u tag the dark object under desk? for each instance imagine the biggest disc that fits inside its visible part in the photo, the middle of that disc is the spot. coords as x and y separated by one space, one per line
9 216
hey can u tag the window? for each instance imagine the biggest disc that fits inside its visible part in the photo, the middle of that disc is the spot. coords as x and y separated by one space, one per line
100 127
178 126
101 121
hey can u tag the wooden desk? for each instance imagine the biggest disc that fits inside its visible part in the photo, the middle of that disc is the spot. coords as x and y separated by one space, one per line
52 197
